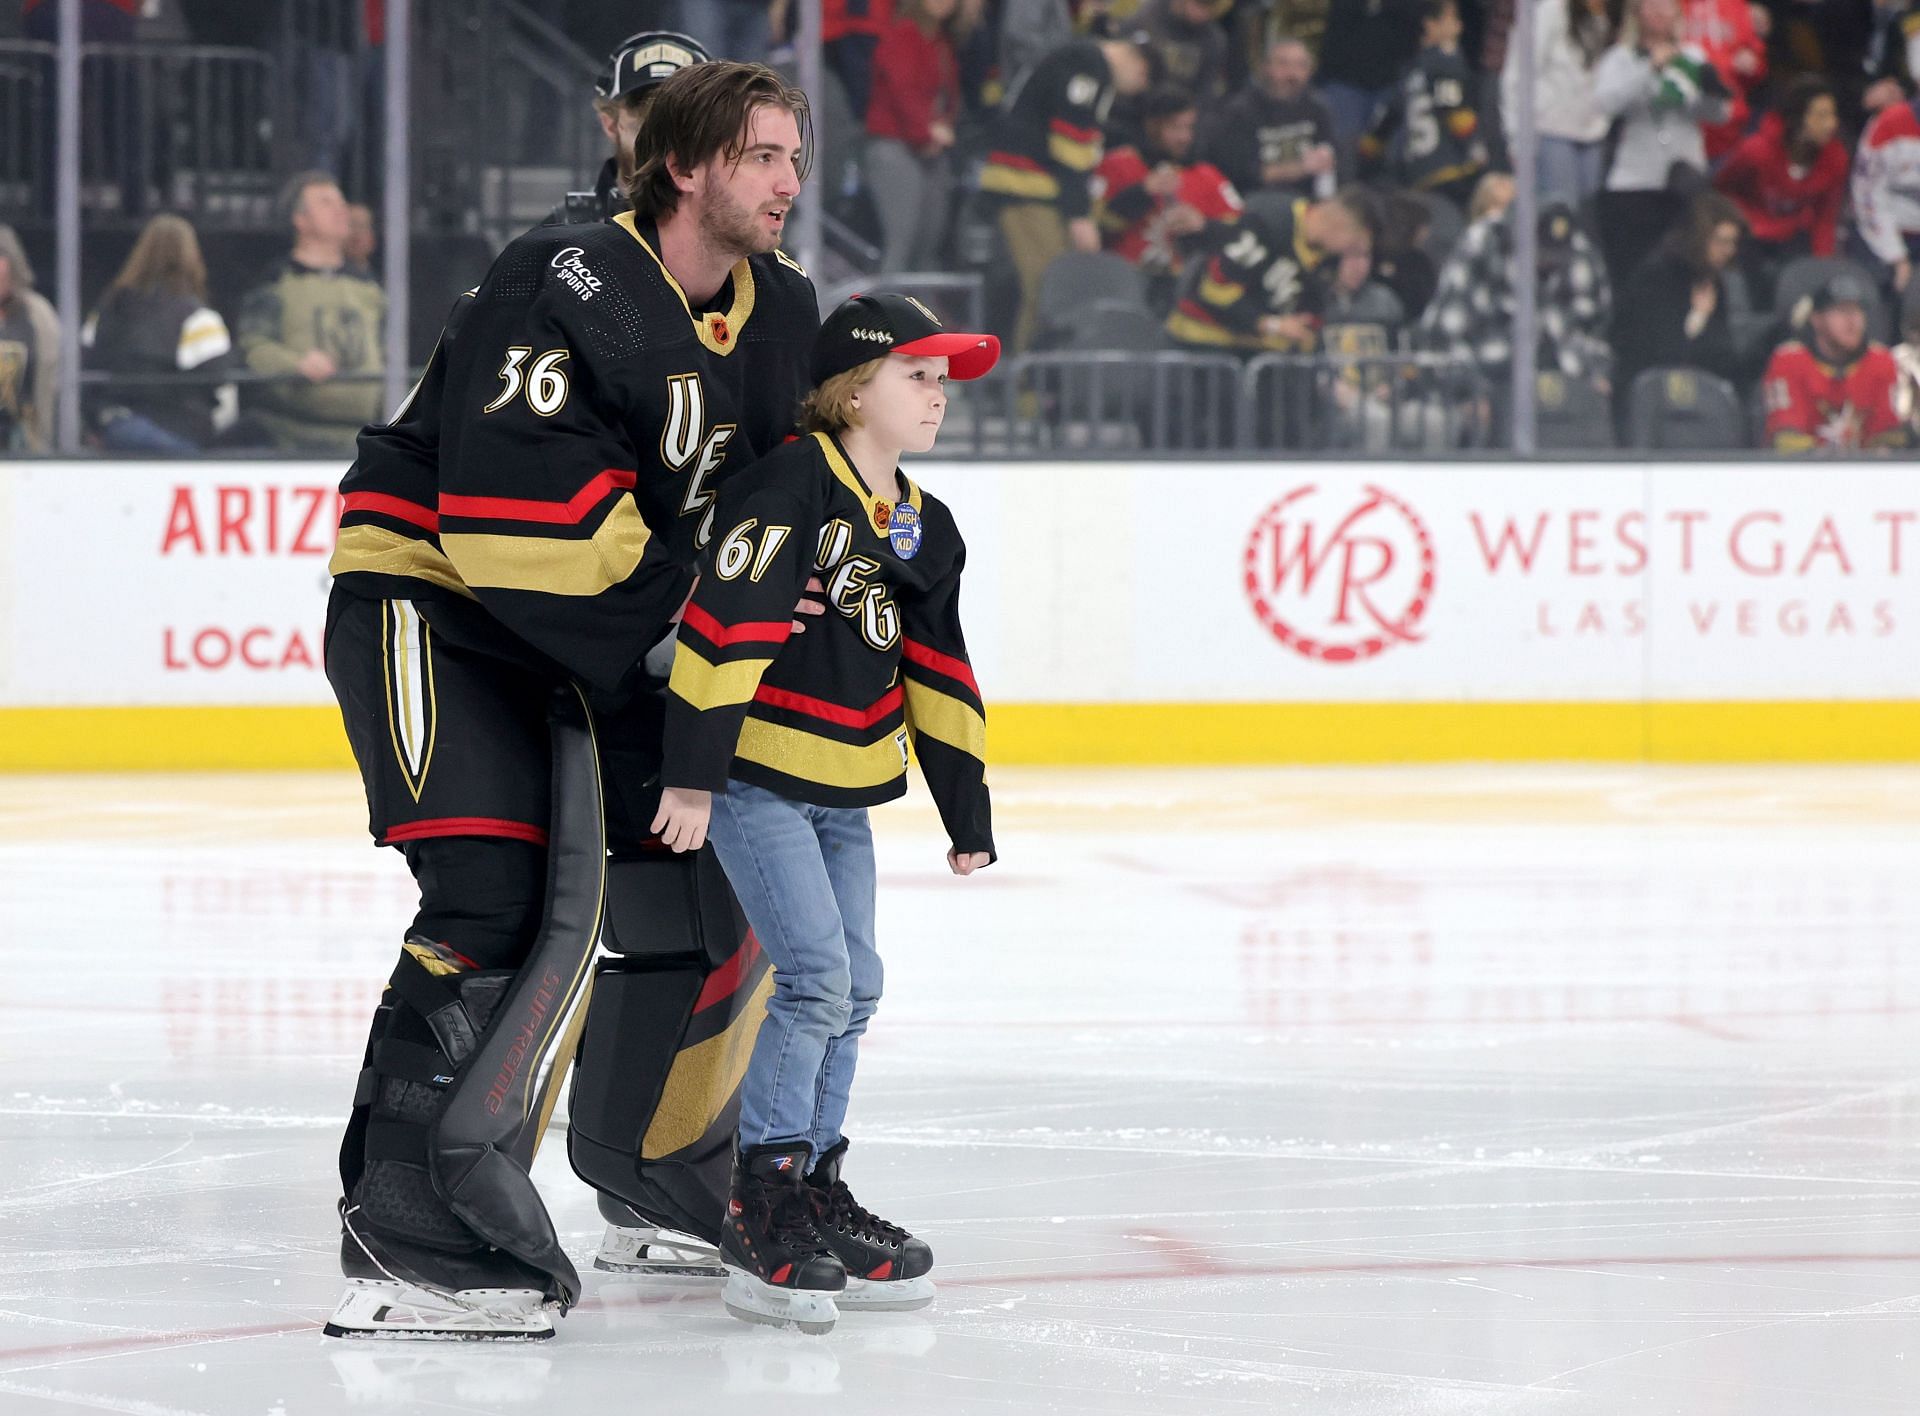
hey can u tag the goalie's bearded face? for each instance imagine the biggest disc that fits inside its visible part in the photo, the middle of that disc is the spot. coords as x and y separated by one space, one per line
745 204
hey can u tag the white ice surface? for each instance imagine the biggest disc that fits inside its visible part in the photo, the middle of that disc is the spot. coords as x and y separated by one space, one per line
1398 1092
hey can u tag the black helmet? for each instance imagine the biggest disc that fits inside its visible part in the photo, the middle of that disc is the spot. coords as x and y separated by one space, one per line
642 60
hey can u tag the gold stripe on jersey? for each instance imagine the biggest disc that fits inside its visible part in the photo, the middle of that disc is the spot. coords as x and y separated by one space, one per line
554 565
706 685
374 550
850 479
720 333
1220 292
1081 157
1186 328
942 716
818 759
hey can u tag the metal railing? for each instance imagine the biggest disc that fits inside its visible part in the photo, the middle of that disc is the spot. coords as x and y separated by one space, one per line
1074 403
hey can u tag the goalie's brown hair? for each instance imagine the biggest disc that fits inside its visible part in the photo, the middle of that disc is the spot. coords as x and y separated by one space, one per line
699 114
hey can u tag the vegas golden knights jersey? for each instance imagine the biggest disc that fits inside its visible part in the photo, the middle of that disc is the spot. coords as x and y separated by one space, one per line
827 716
546 487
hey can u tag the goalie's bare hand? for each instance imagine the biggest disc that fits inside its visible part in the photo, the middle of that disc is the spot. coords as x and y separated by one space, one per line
808 604
681 823
966 864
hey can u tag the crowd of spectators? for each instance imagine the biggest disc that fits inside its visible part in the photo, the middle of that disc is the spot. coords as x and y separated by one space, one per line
1321 179
1304 177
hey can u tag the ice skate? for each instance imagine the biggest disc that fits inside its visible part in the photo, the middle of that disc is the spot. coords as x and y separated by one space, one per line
779 1273
650 1250
888 1270
388 1308
397 1289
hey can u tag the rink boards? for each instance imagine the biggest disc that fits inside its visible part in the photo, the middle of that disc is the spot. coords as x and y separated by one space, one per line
170 615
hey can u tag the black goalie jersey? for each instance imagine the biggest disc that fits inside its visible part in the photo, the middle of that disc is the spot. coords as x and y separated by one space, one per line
827 717
549 483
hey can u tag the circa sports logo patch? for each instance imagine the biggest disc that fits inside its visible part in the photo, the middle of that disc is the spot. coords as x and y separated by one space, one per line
574 273
1337 582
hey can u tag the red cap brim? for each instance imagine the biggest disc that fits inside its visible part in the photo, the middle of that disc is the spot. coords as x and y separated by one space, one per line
968 355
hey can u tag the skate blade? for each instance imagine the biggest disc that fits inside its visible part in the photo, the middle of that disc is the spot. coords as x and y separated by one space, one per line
752 1301
386 1311
903 1295
644 1250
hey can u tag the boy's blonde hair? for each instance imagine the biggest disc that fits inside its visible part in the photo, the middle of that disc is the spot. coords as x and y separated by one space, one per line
829 407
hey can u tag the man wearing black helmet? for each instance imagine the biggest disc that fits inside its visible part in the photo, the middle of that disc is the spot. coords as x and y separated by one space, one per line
622 91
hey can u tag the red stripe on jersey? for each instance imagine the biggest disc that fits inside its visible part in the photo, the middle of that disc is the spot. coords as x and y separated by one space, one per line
956 669
570 512
725 981
398 508
721 635
465 826
830 712
1015 160
1079 135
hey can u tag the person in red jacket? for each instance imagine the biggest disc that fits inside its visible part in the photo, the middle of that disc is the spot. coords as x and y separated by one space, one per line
1789 179
1725 30
910 127
1838 391
1154 203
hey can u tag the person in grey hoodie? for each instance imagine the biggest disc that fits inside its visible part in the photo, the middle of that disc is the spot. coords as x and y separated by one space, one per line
1659 94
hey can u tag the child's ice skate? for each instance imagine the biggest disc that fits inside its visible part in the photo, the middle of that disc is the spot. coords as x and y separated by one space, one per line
888 1270
778 1271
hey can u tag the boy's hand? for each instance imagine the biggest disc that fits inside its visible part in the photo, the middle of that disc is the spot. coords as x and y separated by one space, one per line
808 605
681 823
968 863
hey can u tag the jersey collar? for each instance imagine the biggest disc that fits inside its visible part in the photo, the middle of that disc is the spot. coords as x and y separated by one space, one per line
720 333
879 509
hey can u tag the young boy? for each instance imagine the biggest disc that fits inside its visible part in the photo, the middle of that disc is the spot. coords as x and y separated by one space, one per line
779 748
1428 136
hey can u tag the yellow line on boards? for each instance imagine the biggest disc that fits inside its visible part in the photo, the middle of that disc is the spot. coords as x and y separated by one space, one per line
307 738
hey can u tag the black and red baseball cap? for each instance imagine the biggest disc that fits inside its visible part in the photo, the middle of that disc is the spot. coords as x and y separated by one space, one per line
869 327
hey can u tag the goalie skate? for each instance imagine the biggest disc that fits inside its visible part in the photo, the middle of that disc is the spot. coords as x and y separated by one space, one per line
647 1249
387 1308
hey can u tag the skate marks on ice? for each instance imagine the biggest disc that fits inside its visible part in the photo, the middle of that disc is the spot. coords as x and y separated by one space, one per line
1413 1092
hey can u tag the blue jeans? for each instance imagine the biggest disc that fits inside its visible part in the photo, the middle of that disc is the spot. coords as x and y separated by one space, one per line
1568 171
804 876
1352 109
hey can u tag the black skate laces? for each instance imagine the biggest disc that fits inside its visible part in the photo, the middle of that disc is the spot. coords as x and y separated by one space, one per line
791 1219
847 1215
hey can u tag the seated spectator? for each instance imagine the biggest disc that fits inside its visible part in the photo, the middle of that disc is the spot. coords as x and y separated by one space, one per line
1837 391
1569 36
1360 319
1724 31
1471 316
1154 203
1886 190
1266 289
910 127
312 325
29 353
154 319
1364 50
1429 137
1400 260
1188 43
1276 134
1673 310
1661 92
1789 179
1047 142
